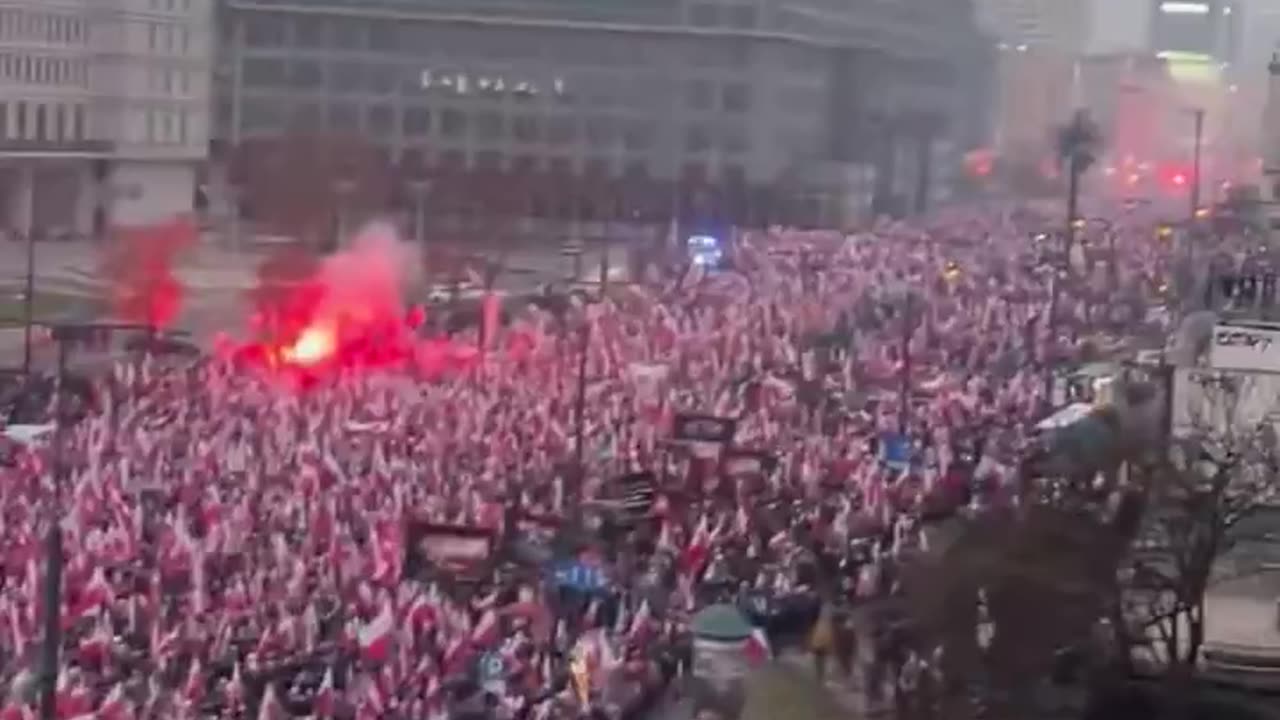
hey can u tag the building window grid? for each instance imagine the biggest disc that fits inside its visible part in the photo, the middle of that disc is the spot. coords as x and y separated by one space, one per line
462 130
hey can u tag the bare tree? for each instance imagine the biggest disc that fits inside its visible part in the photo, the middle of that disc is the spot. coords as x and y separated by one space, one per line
1010 590
1218 472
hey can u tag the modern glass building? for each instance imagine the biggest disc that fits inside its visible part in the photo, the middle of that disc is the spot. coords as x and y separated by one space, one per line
811 108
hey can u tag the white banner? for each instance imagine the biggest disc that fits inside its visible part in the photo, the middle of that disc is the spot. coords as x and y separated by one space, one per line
1245 347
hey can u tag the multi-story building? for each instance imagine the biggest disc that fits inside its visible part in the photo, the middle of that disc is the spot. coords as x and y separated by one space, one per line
104 108
803 95
1270 144
1209 29
1053 25
1036 92
1127 95
1118 27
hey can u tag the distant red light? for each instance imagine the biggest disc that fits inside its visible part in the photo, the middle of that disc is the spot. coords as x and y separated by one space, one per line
1179 179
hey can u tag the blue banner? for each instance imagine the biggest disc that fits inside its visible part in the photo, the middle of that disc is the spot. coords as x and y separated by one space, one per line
578 576
896 451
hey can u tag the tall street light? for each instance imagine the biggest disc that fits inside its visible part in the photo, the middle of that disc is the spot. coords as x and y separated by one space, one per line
419 189
28 303
49 660
1198 114
1078 143
66 335
905 304
344 188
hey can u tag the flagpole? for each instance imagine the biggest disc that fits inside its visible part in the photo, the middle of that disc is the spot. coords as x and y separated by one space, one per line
53 548
904 387
580 410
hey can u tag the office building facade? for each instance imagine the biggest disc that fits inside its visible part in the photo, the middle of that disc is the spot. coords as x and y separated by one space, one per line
104 108
1209 29
1049 26
749 94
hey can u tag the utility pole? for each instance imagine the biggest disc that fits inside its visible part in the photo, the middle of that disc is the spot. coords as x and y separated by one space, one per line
419 189
50 663
904 388
580 412
1195 166
1051 323
29 303
604 266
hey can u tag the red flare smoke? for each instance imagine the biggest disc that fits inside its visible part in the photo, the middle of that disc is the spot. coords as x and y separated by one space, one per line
343 311
140 263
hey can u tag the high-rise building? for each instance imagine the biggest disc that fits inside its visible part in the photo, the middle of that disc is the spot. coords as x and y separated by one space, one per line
1119 27
1035 91
1271 143
104 111
1196 28
1055 25
796 94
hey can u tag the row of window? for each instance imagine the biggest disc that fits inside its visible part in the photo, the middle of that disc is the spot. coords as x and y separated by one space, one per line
29 121
265 115
166 127
423 39
591 165
42 27
706 95
180 6
25 69
170 82
168 38
43 121
732 15
599 90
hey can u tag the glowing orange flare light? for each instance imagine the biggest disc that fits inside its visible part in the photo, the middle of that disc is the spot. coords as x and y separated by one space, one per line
314 346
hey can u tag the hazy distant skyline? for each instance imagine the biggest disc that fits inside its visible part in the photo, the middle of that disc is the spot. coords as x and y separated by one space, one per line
1099 27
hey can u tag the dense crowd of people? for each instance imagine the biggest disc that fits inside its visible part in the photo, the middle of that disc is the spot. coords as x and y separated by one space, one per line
236 547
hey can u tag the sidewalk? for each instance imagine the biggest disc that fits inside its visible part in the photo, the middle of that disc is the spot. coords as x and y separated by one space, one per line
847 691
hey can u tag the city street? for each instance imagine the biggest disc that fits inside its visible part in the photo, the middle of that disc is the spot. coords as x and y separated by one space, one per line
217 282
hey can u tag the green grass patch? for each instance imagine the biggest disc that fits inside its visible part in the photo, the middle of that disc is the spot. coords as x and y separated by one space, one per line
48 305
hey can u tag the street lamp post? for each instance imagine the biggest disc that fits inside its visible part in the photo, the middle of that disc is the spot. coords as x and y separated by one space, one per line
50 662
1196 162
904 388
580 410
233 216
64 335
419 189
906 302
1050 321
343 188
28 303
